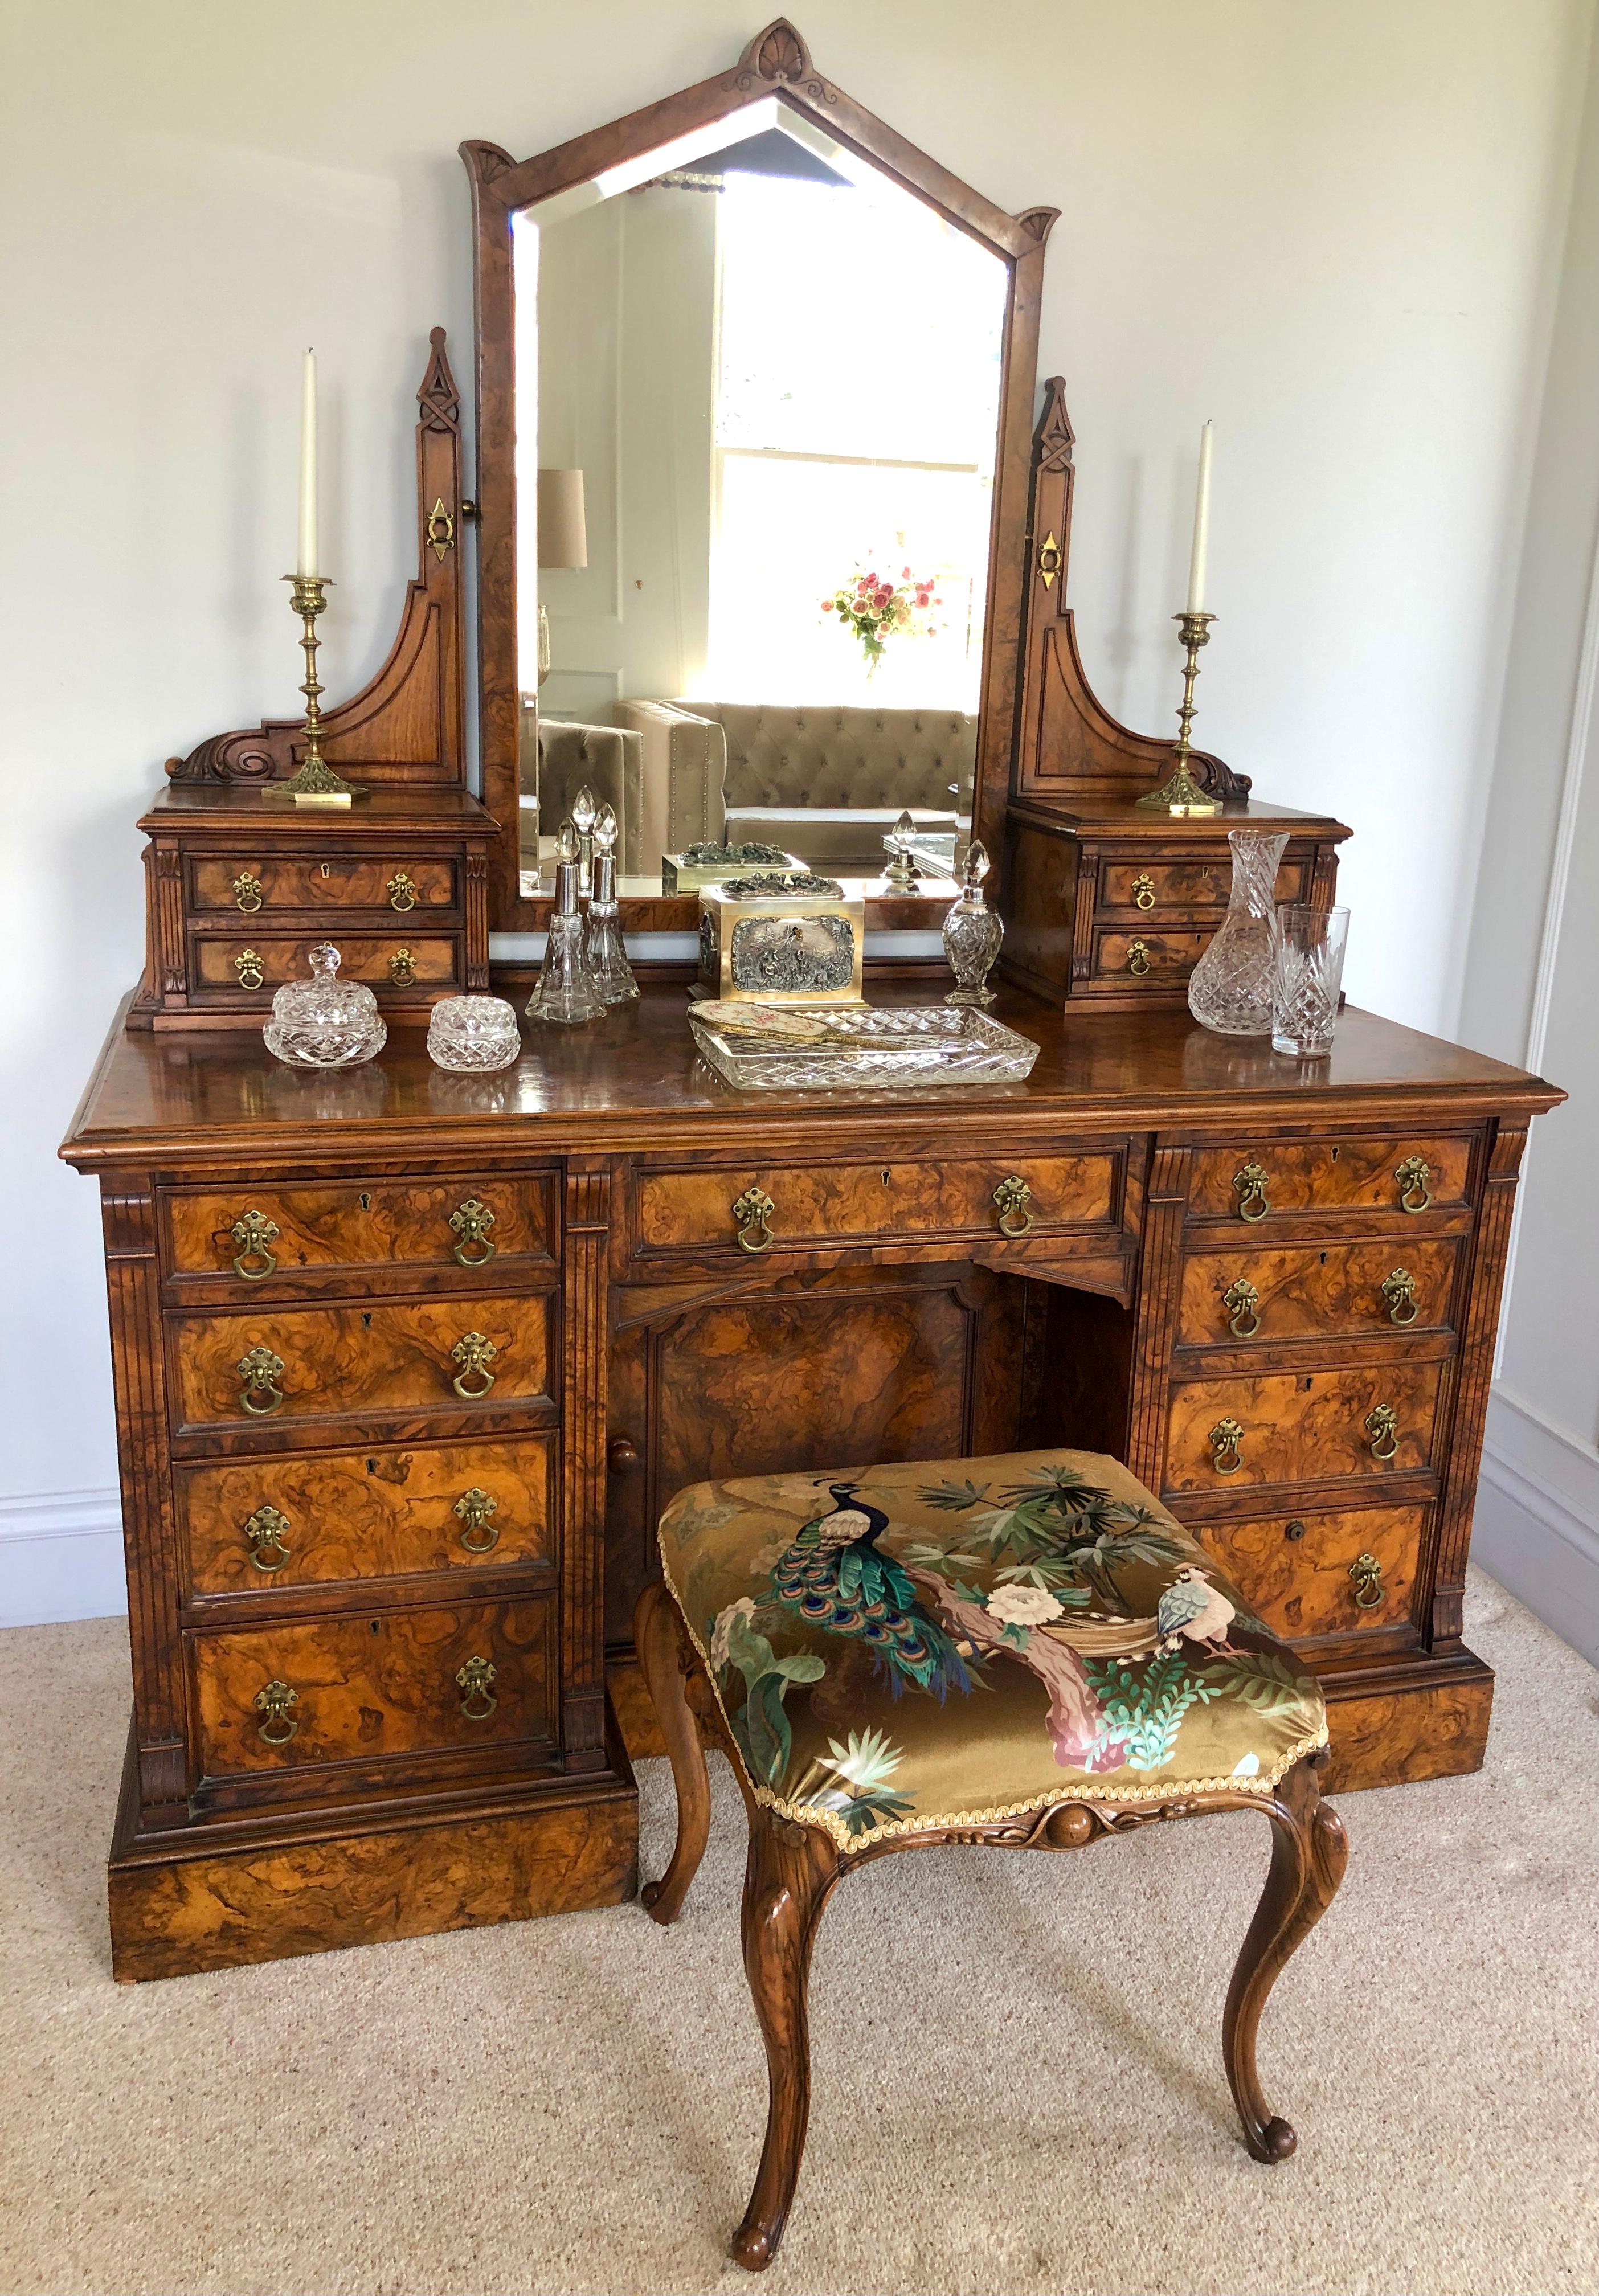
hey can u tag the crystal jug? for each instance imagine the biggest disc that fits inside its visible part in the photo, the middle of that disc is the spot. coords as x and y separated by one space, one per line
1229 989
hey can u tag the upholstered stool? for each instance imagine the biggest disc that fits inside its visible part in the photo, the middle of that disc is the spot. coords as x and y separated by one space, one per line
1024 1651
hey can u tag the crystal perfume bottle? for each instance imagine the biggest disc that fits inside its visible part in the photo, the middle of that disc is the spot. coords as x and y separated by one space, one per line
972 932
324 1022
586 812
603 948
1229 989
565 991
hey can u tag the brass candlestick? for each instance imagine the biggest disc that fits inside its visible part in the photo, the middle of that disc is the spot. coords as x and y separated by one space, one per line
315 783
1182 794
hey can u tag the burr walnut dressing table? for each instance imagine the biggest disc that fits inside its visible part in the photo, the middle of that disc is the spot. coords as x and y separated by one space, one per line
406 1364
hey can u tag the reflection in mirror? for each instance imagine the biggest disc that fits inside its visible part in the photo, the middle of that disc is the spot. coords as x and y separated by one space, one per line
758 400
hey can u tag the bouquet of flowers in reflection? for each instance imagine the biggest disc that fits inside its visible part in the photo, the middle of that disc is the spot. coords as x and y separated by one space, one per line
872 608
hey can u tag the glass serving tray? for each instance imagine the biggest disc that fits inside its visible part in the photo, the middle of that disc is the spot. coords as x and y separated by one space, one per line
905 1044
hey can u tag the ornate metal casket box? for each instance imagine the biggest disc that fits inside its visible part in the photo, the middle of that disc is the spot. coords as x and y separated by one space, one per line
792 940
699 866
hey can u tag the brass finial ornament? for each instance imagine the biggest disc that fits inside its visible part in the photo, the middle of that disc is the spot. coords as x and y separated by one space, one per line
1180 793
315 783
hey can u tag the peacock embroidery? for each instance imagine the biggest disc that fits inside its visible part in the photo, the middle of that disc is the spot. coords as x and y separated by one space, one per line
837 1578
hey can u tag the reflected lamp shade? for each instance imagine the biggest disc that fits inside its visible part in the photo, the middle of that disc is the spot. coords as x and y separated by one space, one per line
563 530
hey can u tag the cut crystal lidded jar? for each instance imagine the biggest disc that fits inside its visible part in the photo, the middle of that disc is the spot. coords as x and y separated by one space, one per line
473 1033
324 1022
1229 989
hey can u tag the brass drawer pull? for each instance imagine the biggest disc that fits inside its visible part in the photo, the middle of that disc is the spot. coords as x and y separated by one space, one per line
253 1232
1227 1439
246 892
401 890
474 1352
1366 1572
267 1532
1398 1291
475 1508
478 1701
1143 891
402 968
1239 1302
753 1214
471 1223
1138 958
1250 1183
260 1371
272 1703
251 971
1012 1205
1382 1430
1414 1175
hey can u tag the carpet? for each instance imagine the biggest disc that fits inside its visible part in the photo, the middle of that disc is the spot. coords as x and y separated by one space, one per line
1018 2083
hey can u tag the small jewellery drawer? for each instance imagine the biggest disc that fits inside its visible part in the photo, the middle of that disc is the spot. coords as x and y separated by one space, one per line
278 1364
810 1204
1178 887
355 1689
253 884
255 963
1323 1574
255 1234
1159 953
1302 1427
256 1524
1254 1180
1301 1290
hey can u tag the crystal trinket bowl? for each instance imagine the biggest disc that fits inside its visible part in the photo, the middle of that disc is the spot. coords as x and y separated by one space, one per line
473 1033
868 1047
324 1022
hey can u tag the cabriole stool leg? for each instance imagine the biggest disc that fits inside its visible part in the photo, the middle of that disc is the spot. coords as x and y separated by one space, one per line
658 1638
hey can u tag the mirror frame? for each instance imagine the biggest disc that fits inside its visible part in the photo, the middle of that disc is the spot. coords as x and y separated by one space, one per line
777 63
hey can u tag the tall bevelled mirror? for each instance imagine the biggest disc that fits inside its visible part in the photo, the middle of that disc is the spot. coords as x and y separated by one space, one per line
754 398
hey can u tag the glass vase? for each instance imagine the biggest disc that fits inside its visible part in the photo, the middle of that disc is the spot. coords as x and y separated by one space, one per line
1230 988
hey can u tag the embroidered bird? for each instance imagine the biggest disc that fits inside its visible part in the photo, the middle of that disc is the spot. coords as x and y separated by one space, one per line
1191 1610
833 1576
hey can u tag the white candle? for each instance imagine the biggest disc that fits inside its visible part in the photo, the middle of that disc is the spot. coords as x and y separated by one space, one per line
307 469
1202 528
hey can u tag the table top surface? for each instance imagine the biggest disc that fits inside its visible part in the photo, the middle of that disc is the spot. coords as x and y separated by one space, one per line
634 1079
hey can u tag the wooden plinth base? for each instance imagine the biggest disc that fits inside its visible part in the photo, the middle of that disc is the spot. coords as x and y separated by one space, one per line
180 1904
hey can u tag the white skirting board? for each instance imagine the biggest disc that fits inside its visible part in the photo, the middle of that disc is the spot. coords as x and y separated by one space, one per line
1536 1526
60 1557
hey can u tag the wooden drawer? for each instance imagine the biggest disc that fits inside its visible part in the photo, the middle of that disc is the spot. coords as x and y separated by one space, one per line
1168 889
252 884
257 1524
256 1235
1127 955
343 1361
254 964
832 1203
1304 1427
341 1690
1315 1176
1310 1574
1300 1290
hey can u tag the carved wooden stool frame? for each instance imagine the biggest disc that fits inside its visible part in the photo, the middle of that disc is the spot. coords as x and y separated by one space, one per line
791 1870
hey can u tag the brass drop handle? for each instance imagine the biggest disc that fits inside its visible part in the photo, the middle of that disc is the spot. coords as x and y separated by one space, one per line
752 1212
1249 1183
253 1232
266 1532
1143 891
1366 1572
475 1508
1138 959
470 1224
621 1455
1012 1205
272 1702
1227 1439
1414 1177
251 971
1382 1431
402 968
478 1701
1398 1291
1239 1303
401 890
474 1352
259 1371
246 892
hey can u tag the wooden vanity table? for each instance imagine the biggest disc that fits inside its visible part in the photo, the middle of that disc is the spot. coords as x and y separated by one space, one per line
407 1363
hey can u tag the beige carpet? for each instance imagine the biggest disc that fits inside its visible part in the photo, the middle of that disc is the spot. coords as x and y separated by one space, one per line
1018 2085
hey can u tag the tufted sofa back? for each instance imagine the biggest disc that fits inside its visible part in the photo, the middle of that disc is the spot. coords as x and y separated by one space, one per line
836 759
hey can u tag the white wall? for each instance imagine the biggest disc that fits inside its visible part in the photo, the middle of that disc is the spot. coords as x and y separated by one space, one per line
1336 231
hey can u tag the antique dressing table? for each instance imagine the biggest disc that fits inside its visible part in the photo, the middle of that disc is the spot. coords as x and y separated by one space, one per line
407 1363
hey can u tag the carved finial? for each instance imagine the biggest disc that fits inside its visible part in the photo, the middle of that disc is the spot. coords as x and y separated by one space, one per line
1053 439
1037 222
485 161
778 53
438 396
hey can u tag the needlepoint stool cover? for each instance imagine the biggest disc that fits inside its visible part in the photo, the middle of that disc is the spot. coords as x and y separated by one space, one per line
952 1642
